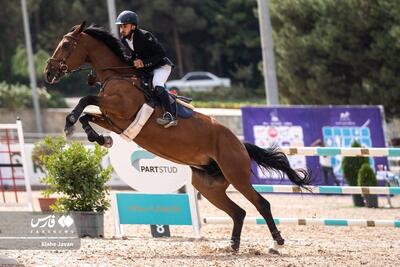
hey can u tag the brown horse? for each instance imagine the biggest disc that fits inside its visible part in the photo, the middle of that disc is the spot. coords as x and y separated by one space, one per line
216 156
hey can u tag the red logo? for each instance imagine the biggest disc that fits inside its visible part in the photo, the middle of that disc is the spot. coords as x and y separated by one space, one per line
272 132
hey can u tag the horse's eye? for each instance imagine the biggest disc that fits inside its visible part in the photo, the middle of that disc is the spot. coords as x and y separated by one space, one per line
65 45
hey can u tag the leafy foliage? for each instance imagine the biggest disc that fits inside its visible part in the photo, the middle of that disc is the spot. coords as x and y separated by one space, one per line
366 176
338 52
20 62
351 166
327 51
204 33
46 147
20 96
75 172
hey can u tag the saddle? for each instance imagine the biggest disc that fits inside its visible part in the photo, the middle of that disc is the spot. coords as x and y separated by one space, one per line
181 106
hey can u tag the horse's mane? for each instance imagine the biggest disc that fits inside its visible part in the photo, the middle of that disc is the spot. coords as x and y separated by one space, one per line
114 44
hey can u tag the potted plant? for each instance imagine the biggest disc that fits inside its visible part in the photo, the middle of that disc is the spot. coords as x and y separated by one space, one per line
74 172
43 148
367 177
350 167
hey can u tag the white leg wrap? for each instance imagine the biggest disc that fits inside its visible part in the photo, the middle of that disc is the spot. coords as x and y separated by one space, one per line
136 126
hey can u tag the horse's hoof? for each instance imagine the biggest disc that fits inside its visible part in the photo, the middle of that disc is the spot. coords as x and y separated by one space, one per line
69 131
108 141
278 238
280 241
235 244
235 247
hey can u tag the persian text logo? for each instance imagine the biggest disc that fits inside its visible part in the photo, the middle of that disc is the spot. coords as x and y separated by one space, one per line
50 221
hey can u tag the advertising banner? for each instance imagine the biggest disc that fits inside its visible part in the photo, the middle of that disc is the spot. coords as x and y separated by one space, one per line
164 209
144 171
336 126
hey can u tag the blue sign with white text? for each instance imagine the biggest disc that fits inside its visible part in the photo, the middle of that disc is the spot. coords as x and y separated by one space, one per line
156 209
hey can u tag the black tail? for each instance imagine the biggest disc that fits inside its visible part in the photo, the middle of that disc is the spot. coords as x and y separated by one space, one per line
272 159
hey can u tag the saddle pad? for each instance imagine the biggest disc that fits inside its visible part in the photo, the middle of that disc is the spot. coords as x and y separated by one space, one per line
141 118
183 112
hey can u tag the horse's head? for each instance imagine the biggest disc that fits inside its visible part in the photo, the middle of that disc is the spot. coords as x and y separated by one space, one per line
68 55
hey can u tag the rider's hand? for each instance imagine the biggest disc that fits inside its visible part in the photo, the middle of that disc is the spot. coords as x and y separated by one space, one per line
138 63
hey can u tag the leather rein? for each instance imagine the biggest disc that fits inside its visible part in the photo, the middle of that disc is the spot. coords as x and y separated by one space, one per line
62 66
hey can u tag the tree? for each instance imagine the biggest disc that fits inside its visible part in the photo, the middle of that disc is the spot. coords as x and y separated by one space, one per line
218 36
235 42
338 52
175 23
19 63
199 35
11 35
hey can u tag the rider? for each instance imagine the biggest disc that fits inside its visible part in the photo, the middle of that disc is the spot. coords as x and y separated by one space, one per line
147 53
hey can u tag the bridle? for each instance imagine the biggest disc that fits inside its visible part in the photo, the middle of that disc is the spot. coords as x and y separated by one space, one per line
61 64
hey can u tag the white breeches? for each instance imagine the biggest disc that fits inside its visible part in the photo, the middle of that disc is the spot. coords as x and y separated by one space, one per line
161 75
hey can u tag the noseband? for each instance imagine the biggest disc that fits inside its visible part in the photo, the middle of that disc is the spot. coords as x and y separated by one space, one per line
61 64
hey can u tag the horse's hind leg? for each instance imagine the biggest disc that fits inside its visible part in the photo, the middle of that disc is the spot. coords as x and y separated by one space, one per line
236 169
92 135
213 189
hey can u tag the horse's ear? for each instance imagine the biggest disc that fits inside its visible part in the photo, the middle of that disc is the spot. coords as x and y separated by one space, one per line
81 27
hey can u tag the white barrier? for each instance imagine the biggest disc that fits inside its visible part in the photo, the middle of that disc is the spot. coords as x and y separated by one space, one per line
9 148
326 151
310 221
341 190
343 151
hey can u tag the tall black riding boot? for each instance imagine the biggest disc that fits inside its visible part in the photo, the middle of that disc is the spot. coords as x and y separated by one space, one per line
168 119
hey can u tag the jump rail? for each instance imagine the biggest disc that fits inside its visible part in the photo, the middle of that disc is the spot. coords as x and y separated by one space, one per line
343 151
373 190
310 221
326 151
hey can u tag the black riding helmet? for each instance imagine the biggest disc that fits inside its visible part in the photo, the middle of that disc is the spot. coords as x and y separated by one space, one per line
127 17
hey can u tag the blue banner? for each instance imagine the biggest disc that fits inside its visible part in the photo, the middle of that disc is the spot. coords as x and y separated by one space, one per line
157 209
336 126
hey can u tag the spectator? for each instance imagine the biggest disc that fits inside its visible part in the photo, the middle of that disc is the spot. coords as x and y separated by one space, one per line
326 164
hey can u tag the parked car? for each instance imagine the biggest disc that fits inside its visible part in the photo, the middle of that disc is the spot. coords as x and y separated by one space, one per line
198 81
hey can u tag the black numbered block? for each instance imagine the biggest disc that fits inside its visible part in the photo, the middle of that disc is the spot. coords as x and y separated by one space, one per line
160 231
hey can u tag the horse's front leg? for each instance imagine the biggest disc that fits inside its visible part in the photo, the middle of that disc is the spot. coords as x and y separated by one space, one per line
73 117
92 135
